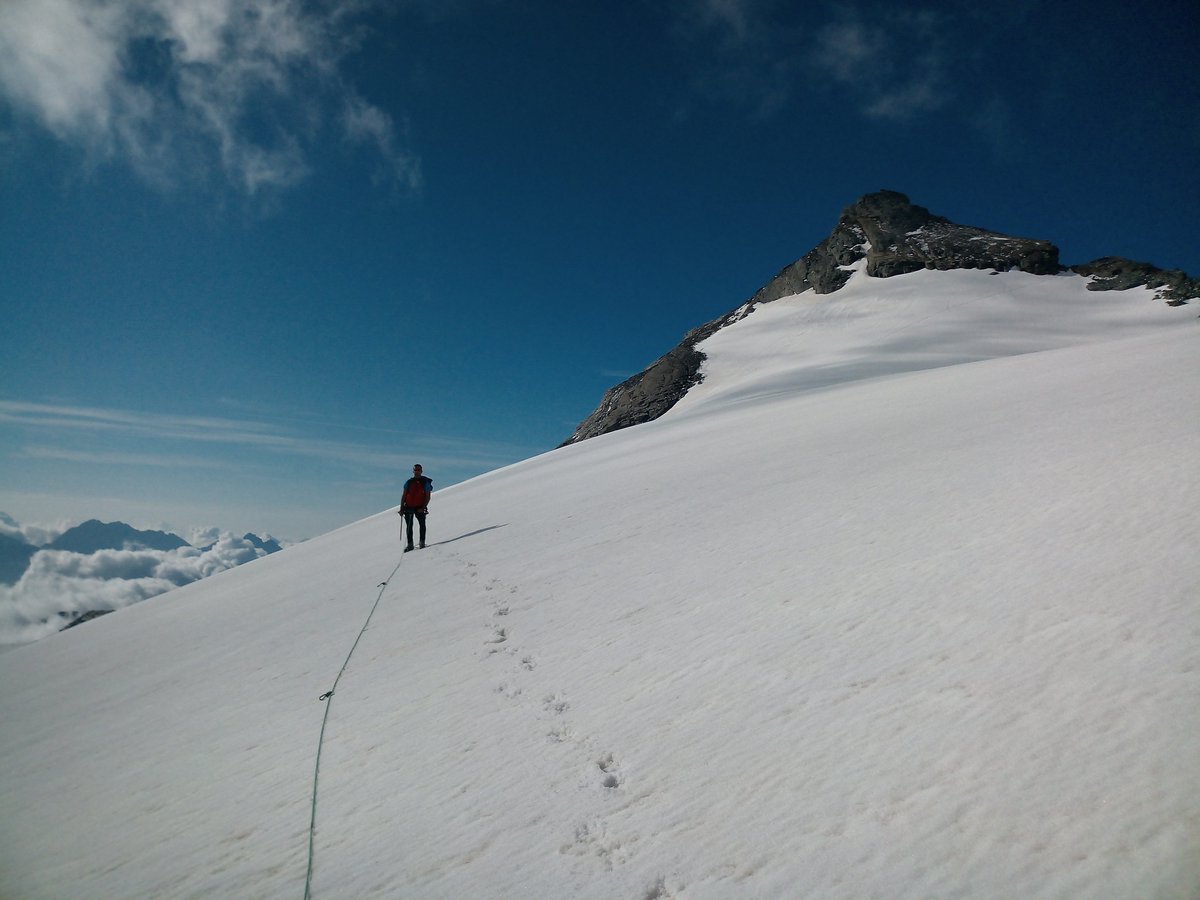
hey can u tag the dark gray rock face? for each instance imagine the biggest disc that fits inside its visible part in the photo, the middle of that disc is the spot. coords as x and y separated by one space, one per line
80 618
644 396
894 236
650 393
1114 273
904 238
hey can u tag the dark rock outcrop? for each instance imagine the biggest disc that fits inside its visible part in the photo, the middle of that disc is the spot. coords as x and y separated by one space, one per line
650 393
80 618
894 237
904 238
1114 273
269 544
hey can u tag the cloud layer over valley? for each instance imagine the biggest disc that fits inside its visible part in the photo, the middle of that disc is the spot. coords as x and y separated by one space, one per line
58 586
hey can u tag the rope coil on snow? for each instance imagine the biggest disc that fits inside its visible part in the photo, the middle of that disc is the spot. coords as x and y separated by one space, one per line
328 695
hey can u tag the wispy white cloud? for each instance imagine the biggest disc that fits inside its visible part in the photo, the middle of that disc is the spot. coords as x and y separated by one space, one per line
193 428
194 433
370 126
36 534
892 63
740 52
739 20
160 460
175 87
849 51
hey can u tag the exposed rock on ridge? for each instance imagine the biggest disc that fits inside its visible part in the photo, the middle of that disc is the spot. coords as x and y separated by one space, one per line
650 393
1114 273
894 236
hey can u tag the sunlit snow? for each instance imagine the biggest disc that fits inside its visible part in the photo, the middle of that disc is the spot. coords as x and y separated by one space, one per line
901 602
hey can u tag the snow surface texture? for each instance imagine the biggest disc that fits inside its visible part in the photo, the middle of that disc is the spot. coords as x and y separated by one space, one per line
891 606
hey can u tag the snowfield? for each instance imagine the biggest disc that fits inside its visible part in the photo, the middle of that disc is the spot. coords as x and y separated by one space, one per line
901 602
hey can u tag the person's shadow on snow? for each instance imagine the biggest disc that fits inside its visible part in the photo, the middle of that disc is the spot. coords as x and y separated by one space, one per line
467 535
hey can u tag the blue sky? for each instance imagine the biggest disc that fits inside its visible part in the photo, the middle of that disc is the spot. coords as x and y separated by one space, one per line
260 256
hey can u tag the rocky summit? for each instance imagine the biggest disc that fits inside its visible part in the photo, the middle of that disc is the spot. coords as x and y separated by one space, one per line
894 236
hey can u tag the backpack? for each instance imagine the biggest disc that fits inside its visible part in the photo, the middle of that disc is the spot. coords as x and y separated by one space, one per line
416 493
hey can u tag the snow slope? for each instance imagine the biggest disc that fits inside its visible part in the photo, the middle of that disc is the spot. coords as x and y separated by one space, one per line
901 602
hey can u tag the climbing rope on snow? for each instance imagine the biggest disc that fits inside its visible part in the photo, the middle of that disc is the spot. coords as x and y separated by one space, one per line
327 698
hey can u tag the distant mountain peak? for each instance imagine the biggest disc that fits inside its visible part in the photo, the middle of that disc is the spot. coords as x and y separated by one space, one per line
269 544
894 236
15 555
94 535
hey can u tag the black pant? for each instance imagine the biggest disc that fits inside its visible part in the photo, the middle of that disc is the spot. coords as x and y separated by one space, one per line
408 521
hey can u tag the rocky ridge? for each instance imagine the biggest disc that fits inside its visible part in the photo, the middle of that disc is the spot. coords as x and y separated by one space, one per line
894 236
1115 273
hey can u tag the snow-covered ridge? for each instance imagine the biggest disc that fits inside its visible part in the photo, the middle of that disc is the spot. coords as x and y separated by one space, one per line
873 328
890 237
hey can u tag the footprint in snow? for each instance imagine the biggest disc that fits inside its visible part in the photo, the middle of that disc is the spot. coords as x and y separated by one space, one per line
508 691
562 734
608 768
